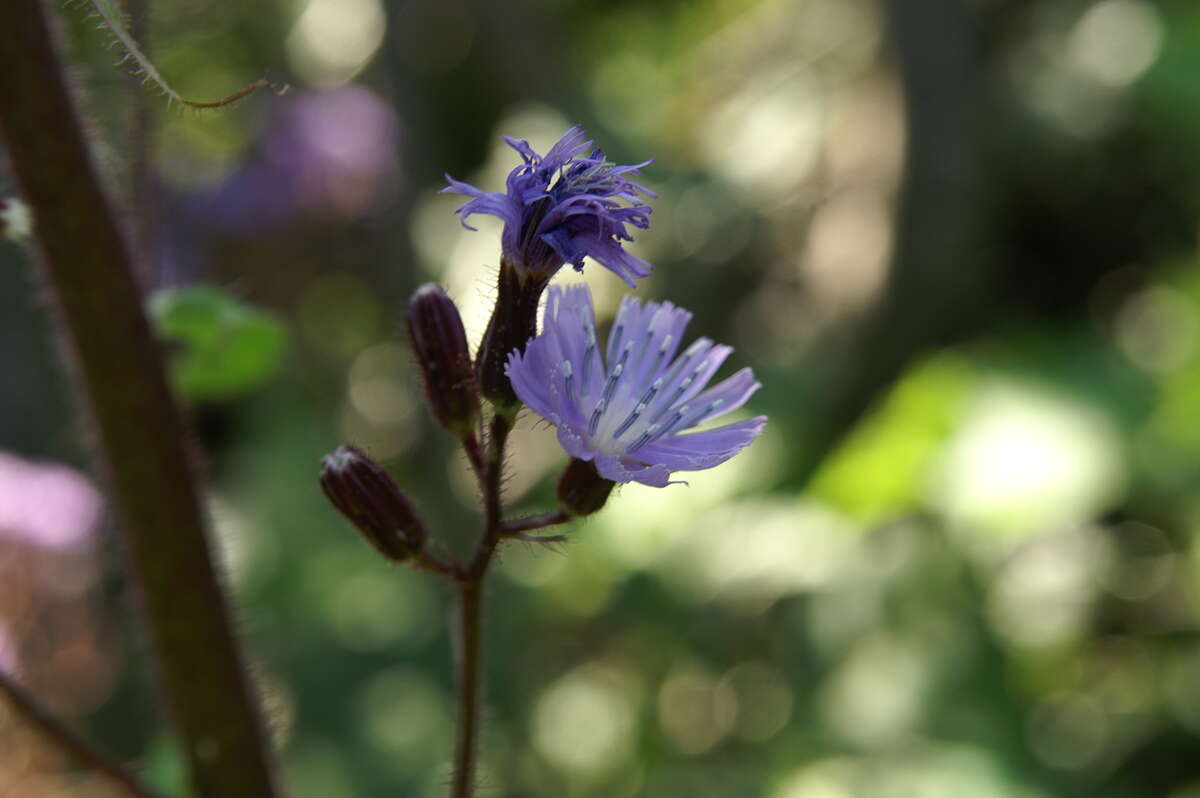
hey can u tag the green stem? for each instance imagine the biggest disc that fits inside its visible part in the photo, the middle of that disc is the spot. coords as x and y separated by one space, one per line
140 434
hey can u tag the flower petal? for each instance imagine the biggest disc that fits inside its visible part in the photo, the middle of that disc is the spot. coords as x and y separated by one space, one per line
728 395
697 451
624 468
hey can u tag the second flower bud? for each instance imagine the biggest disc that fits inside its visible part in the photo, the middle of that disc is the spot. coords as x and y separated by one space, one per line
439 341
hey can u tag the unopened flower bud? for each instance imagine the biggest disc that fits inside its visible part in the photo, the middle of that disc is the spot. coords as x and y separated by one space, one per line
513 323
369 499
439 341
16 221
581 489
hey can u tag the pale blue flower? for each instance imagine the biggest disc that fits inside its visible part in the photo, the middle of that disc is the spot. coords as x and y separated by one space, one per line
627 409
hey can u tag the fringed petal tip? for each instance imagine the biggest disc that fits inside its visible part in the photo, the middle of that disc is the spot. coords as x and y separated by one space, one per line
565 206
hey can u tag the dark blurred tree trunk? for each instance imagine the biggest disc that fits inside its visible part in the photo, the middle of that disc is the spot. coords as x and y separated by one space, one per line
941 270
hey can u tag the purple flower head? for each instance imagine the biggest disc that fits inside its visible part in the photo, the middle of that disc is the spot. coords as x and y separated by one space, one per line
564 206
627 416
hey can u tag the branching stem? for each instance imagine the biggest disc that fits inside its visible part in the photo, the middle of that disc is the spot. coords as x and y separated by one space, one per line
516 528
469 629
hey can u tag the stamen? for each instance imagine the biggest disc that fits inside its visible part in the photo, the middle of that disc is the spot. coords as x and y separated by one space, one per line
683 386
679 414
568 374
708 411
590 331
610 387
596 414
656 431
628 422
617 336
653 323
642 404
662 352
644 438
619 368
682 362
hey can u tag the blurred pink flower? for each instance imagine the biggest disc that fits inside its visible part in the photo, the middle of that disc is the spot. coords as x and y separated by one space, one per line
46 504
8 650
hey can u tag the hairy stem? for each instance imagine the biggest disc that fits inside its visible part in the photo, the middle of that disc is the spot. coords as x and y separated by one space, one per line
140 435
469 630
142 200
470 444
68 742
470 687
492 501
520 525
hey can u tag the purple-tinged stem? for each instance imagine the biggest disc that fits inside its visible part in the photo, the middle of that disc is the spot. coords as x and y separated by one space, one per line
517 526
469 664
469 629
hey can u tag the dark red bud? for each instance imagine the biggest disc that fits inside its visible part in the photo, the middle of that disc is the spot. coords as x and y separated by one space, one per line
581 489
369 499
513 323
439 341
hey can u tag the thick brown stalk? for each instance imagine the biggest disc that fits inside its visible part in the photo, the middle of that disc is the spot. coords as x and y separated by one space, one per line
140 434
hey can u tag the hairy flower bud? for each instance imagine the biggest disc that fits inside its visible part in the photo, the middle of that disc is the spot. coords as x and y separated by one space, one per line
581 489
435 331
513 323
369 499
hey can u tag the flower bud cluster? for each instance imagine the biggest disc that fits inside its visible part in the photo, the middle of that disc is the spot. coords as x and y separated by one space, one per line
633 408
361 490
630 410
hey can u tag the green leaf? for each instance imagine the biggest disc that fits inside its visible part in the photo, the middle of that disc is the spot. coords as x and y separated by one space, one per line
222 347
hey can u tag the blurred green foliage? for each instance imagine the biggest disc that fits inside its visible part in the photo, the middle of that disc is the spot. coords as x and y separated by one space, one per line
962 561
222 347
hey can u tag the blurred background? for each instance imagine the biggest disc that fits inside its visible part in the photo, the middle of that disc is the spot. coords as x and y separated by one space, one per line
957 240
